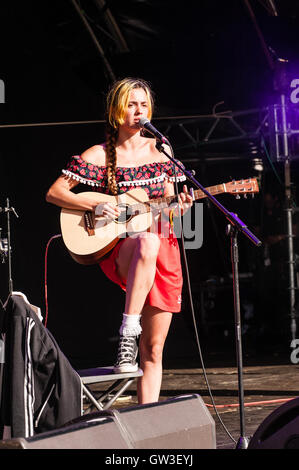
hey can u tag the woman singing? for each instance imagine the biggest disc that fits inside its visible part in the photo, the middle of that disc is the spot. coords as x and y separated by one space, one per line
146 265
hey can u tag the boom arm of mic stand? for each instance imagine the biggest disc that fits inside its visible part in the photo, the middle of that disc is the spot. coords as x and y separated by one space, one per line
232 218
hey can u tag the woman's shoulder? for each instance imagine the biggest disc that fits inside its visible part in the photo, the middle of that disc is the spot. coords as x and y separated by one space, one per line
95 155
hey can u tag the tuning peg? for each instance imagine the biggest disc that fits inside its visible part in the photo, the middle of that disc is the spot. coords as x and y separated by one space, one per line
245 196
238 196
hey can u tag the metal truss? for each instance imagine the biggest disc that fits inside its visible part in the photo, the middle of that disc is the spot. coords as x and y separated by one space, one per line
113 32
192 132
196 134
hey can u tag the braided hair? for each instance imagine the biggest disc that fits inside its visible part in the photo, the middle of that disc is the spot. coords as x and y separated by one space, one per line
111 138
117 102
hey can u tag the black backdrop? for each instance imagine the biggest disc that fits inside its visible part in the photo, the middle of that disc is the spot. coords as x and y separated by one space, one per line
194 58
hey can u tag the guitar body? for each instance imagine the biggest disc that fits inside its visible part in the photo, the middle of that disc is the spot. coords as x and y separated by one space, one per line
87 245
88 237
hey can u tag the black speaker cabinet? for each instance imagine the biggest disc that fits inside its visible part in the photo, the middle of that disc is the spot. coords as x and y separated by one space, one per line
179 423
280 430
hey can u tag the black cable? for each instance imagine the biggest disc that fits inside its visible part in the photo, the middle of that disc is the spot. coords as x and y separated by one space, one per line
269 160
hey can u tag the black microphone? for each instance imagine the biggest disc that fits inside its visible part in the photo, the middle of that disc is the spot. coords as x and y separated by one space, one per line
146 124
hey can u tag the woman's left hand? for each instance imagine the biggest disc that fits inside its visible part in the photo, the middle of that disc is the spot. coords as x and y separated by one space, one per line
185 200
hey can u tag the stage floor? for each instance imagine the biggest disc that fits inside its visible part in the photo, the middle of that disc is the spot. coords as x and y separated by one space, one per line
269 380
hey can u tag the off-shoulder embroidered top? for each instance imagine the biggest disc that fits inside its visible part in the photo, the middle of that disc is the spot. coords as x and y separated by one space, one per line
150 176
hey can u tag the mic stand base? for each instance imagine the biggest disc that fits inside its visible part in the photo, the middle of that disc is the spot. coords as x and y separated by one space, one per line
242 443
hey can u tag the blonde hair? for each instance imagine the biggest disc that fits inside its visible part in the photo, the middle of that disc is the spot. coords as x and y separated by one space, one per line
118 99
117 104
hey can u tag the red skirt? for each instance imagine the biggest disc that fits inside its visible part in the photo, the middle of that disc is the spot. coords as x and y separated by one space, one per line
166 292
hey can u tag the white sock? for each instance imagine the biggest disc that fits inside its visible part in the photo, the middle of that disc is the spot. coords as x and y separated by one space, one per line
130 325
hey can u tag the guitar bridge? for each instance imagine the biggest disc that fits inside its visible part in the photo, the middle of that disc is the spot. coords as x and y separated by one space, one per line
89 222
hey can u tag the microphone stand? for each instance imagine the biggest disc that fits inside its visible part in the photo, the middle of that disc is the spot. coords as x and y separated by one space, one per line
235 226
9 209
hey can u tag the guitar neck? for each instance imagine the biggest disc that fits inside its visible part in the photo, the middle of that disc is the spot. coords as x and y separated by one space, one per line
164 202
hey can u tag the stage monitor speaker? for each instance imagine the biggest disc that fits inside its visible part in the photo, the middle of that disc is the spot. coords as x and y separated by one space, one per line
179 423
280 430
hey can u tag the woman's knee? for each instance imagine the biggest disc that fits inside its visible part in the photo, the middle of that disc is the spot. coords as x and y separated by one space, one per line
151 351
148 245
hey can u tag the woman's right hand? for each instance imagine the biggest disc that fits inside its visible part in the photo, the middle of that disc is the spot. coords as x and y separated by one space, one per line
107 210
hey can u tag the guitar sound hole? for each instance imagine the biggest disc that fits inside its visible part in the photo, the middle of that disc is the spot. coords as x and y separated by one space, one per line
126 214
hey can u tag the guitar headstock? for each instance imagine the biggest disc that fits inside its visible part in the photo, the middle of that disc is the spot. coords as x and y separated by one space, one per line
245 186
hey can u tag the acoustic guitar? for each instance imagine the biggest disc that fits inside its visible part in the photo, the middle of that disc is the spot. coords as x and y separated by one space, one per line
89 237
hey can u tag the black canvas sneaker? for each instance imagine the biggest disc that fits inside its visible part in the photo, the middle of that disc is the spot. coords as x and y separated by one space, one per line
126 356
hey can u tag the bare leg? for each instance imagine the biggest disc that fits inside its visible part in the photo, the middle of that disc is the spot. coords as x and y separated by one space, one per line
155 327
137 264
